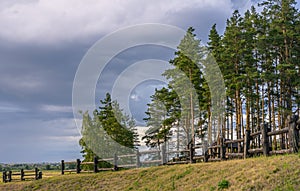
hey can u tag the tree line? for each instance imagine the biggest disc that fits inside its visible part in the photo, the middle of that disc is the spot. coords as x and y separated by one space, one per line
258 57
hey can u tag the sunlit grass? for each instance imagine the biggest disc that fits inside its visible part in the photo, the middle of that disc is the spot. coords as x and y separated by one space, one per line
262 173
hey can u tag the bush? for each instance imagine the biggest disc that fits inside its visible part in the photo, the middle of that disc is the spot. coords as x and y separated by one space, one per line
223 184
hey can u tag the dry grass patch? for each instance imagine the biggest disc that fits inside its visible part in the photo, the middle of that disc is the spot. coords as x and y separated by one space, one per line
272 173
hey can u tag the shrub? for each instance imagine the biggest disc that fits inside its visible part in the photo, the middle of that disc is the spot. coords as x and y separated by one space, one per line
223 184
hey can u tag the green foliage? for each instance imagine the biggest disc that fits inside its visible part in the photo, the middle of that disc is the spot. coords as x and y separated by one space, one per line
185 99
117 125
223 184
258 56
108 132
48 167
162 113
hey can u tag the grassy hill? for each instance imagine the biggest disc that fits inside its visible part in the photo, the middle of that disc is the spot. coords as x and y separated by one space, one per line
272 173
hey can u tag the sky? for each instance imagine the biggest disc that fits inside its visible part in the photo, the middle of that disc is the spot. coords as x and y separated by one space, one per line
42 45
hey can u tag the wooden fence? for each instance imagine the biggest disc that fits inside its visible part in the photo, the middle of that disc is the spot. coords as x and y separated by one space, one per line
9 176
114 161
261 142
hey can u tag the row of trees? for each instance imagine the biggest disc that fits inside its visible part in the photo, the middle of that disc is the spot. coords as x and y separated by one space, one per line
258 56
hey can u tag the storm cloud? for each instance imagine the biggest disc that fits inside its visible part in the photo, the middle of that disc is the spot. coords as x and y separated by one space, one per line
42 44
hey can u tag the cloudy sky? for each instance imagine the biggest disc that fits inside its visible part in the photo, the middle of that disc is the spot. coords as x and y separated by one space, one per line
43 43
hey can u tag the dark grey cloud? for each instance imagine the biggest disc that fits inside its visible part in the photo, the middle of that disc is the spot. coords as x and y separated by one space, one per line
125 59
42 44
39 74
35 102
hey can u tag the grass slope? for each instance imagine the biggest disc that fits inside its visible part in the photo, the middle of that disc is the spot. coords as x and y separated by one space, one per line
271 173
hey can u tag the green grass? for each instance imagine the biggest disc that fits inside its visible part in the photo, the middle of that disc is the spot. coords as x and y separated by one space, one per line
262 173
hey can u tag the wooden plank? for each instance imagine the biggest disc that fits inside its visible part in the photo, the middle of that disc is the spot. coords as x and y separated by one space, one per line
150 161
284 151
234 141
73 170
71 162
255 134
29 174
171 152
198 157
258 150
16 174
108 159
105 169
29 171
235 154
130 155
198 146
278 132
148 152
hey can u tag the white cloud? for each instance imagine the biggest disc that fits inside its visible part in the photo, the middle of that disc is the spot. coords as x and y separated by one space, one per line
57 21
135 97
63 139
10 108
23 82
56 108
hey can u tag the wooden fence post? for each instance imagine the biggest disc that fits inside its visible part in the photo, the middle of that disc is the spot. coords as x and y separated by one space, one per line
293 134
10 176
78 162
163 154
22 174
246 144
223 149
36 170
205 151
40 175
62 167
265 139
138 162
191 153
4 177
206 156
96 164
115 162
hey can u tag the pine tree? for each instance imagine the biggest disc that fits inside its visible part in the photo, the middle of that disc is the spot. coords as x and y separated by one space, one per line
109 132
232 57
162 112
186 79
